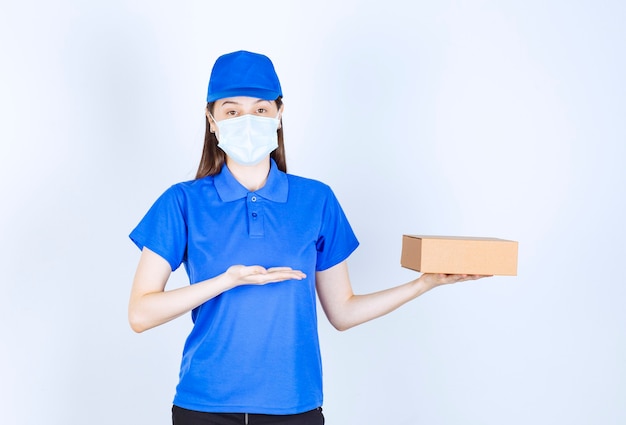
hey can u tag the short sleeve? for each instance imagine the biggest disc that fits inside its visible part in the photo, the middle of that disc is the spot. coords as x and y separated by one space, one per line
336 240
164 229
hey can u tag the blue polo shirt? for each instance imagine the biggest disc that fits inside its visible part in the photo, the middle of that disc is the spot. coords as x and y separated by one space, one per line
252 349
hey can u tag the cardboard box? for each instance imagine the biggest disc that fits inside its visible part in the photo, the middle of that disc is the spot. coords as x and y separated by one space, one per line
459 255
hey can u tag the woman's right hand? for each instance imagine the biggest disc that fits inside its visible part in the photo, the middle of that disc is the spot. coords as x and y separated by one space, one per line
257 275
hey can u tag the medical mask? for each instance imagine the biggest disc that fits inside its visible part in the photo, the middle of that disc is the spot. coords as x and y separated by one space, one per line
249 138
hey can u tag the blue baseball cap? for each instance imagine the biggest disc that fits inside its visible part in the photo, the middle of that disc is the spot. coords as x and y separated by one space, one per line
243 73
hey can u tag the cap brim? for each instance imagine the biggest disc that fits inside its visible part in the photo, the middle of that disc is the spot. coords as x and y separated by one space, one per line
248 92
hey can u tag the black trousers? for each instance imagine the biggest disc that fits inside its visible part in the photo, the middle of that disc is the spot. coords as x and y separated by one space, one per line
182 416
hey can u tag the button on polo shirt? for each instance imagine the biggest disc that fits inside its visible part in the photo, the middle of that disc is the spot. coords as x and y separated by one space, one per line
255 216
252 348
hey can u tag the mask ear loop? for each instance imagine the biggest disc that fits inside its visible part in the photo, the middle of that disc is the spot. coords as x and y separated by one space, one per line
279 117
211 129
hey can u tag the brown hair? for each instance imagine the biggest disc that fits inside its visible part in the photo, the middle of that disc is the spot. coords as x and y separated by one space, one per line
213 158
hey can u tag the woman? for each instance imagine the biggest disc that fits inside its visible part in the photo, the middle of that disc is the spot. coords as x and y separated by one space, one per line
257 244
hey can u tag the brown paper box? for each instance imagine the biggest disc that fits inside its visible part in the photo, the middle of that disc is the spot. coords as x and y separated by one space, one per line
459 255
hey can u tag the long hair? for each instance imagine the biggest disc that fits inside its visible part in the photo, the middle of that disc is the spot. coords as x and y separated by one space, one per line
213 158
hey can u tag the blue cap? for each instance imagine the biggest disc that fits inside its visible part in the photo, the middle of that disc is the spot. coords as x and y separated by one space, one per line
243 73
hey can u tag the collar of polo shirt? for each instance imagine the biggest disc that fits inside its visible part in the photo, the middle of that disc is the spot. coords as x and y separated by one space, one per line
276 188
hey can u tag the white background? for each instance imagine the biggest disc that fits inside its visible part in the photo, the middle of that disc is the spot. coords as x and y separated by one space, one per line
482 118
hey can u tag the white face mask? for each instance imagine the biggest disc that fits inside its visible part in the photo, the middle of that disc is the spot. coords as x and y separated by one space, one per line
248 139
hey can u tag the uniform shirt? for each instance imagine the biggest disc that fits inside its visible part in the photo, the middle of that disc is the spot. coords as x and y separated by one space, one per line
252 349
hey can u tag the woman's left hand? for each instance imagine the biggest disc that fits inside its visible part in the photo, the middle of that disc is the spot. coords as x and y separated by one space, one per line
432 280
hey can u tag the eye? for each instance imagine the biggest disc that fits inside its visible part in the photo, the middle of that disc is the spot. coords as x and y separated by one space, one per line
232 113
261 111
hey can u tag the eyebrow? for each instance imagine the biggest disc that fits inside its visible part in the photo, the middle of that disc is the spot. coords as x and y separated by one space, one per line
226 102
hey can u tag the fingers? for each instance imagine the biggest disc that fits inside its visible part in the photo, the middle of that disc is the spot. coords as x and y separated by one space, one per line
273 276
454 278
284 273
445 279
258 275
278 269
